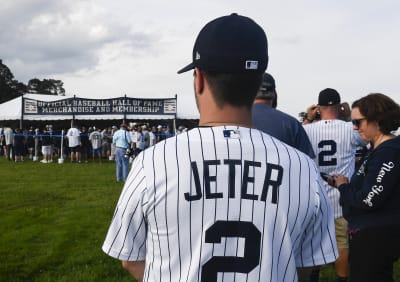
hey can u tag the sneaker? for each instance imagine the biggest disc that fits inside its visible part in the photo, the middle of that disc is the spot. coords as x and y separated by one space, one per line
43 161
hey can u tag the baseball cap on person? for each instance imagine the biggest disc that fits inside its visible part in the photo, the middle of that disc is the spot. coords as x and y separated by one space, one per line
328 97
267 88
230 44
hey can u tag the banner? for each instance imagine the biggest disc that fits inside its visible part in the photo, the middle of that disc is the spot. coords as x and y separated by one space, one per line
81 106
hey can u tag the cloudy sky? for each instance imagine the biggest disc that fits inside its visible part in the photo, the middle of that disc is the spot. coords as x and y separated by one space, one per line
102 48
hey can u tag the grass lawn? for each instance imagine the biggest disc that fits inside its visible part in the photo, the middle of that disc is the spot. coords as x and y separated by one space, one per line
54 218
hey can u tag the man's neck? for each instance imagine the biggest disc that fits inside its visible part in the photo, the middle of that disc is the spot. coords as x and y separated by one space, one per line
228 115
263 101
329 113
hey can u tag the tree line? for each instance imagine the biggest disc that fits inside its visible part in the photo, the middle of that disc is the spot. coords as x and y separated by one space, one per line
11 88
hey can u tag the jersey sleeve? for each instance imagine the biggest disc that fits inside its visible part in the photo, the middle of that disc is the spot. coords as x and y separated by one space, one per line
378 183
126 235
318 245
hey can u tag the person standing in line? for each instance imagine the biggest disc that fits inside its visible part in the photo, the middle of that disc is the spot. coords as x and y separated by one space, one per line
19 145
224 201
276 123
160 133
371 199
46 142
30 142
112 157
85 144
140 144
106 143
334 142
9 140
74 143
95 138
133 133
146 137
122 141
152 136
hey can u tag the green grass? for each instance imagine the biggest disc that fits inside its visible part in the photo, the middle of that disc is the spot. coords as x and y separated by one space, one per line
54 218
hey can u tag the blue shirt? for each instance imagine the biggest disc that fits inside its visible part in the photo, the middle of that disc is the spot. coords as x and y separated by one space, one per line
282 126
122 139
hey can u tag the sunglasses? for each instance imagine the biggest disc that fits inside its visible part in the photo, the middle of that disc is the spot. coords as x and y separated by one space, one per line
357 122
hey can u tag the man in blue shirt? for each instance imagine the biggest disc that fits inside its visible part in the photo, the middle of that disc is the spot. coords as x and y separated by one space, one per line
276 123
122 141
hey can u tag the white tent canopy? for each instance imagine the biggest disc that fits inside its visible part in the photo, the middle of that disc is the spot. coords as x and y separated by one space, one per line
12 110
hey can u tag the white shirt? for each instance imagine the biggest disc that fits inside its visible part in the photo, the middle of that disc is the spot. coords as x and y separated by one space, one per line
152 137
8 135
95 138
73 135
213 193
334 143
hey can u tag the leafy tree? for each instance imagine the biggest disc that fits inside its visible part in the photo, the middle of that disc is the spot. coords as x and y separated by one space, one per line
7 84
47 86
19 88
11 88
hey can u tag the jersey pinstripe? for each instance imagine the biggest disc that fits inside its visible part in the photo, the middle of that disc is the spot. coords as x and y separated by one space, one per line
222 204
334 143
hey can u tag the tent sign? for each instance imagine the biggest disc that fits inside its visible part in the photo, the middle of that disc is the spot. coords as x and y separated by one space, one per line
81 106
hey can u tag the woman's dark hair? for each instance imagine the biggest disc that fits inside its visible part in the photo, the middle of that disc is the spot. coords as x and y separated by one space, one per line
381 109
236 89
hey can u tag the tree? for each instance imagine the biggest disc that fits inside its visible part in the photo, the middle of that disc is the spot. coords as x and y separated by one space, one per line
7 84
11 88
47 86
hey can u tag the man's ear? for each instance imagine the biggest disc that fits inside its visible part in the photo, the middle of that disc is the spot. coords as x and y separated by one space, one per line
199 81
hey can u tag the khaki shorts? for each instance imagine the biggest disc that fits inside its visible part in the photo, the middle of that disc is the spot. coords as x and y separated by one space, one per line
341 233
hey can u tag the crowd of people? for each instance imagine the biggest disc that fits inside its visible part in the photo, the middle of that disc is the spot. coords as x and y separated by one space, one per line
298 194
79 143
186 203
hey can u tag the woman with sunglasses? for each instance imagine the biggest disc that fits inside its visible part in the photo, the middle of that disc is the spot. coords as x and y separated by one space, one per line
371 199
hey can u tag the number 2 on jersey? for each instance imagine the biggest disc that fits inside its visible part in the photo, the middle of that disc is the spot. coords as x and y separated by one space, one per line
325 155
245 264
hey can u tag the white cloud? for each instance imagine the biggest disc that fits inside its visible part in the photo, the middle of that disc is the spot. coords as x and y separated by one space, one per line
112 48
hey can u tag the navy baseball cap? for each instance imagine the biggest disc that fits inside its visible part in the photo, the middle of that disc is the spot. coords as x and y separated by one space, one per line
230 44
328 97
267 88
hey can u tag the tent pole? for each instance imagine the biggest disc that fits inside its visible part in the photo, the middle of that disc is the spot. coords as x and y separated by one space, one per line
22 112
73 114
176 110
125 110
61 159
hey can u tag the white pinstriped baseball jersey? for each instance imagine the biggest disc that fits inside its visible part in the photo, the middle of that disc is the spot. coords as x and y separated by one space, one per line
334 143
222 204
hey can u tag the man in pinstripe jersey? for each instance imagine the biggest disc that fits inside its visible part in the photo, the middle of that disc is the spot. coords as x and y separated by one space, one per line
334 142
224 201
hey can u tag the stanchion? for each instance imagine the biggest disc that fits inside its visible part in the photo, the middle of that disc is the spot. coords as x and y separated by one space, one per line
35 157
61 159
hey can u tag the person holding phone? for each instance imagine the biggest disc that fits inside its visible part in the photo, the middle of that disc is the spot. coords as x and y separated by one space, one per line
334 142
371 198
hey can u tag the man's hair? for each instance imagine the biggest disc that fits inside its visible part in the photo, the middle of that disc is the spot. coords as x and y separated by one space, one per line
236 89
381 109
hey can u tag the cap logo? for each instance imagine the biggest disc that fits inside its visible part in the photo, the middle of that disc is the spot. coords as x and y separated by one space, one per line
251 65
197 56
